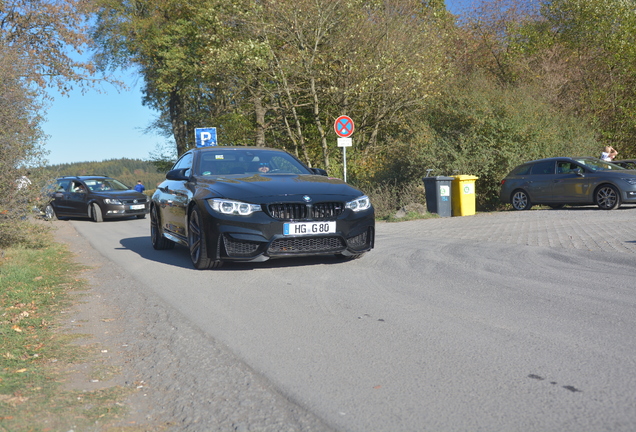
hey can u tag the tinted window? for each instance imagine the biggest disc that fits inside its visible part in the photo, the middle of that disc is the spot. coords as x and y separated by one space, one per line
521 170
546 167
565 167
224 162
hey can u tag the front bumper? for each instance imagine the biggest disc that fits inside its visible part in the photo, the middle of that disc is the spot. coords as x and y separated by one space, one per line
628 196
258 237
112 211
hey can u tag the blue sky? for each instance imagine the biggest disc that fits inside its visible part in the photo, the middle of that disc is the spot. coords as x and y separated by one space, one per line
100 125
110 124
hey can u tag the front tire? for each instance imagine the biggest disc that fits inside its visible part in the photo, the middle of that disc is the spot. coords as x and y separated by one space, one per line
96 213
520 200
159 242
49 213
197 242
607 197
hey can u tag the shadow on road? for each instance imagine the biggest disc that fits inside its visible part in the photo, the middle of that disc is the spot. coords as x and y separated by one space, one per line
180 257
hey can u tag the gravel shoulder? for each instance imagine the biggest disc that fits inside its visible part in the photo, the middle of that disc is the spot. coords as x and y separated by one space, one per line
179 378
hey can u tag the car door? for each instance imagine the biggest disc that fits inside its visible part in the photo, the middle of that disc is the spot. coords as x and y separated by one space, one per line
540 182
571 185
174 199
77 199
59 198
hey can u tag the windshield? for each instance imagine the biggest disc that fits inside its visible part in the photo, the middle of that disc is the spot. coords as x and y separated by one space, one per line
598 165
101 185
227 162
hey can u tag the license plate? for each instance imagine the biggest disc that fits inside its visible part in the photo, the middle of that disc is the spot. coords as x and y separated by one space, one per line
309 228
137 207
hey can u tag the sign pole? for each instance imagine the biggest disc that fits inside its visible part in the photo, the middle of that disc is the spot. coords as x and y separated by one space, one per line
344 161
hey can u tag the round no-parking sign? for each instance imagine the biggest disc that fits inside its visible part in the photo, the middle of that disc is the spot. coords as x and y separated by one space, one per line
344 126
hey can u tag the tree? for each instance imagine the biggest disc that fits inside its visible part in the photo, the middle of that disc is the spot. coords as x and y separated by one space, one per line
37 39
171 43
46 33
583 53
374 61
285 72
601 37
20 148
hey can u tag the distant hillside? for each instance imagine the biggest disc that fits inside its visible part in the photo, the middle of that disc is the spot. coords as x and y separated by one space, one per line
128 171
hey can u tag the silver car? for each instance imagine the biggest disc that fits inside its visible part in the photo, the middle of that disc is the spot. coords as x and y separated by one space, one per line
574 181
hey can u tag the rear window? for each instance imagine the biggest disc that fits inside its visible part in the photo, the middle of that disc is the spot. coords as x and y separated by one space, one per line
546 167
521 170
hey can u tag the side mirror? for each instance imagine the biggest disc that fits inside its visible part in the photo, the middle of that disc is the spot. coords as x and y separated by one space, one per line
319 171
177 174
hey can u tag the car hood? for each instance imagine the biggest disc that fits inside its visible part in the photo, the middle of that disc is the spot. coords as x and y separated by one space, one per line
277 187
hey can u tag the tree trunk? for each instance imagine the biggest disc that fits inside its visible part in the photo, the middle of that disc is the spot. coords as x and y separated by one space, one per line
259 111
321 130
179 125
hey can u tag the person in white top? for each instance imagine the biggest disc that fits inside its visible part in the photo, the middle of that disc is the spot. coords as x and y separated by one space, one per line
23 182
608 154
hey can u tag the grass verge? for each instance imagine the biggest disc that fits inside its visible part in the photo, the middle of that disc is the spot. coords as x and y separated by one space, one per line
36 286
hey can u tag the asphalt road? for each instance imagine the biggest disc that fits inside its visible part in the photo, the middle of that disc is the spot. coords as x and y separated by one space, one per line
514 321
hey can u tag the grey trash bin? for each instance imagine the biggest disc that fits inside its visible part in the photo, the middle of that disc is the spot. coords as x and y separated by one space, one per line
438 195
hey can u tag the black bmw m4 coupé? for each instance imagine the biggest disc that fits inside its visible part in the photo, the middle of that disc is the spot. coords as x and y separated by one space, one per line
250 204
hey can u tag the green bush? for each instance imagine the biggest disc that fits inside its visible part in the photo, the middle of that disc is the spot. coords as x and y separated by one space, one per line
478 128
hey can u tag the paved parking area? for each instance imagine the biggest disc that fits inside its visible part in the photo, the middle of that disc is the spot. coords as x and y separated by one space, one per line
584 228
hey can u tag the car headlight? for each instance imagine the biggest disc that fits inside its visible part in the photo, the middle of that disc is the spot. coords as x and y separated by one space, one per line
631 180
112 201
359 204
233 207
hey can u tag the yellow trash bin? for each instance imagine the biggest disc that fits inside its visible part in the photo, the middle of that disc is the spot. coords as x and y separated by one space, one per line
463 195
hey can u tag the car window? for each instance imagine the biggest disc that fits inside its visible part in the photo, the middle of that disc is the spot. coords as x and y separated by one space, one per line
598 165
286 165
567 167
78 187
545 167
63 185
184 162
521 170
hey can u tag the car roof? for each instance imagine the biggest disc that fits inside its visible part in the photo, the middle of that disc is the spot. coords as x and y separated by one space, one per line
250 148
84 177
559 158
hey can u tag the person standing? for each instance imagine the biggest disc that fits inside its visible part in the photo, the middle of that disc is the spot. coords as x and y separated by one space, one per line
24 182
608 154
139 187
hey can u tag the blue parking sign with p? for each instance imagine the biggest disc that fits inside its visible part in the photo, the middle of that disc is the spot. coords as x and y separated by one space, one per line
205 137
